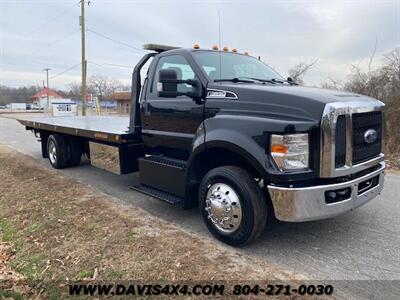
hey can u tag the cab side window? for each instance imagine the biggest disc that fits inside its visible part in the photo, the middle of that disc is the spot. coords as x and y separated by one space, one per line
180 65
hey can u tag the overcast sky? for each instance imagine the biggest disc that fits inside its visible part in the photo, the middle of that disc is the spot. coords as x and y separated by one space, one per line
36 34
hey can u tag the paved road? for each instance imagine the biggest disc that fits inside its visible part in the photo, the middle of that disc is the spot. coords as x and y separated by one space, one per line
363 244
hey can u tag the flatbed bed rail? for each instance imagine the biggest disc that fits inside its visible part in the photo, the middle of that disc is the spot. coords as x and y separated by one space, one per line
100 128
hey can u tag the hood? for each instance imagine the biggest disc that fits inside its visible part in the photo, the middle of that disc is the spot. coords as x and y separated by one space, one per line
291 101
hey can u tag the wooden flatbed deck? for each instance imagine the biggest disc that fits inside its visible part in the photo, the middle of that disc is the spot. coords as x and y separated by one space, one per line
102 128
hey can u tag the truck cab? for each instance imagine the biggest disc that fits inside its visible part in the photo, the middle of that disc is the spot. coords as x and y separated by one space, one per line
314 153
223 131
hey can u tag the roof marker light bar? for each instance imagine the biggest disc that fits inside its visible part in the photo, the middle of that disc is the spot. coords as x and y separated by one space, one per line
159 48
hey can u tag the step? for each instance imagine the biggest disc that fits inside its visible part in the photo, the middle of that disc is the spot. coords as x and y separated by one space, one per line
166 161
169 198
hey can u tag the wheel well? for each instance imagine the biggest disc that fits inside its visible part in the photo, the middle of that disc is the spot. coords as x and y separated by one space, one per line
208 160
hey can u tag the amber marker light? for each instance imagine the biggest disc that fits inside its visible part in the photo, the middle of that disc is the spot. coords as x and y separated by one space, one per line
196 46
215 47
279 149
225 49
234 50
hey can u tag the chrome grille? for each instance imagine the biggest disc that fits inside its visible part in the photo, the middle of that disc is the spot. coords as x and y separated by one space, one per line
343 125
363 151
340 150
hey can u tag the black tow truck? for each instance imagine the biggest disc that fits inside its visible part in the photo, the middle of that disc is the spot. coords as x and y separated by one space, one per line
223 131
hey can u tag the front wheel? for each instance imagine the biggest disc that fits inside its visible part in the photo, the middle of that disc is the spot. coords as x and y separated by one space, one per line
233 205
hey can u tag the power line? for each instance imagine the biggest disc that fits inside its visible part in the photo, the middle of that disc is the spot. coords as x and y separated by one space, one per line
65 71
40 81
114 40
105 64
69 69
47 86
55 42
54 76
83 52
22 85
47 22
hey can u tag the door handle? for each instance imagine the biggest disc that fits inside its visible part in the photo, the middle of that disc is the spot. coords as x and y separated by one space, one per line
146 108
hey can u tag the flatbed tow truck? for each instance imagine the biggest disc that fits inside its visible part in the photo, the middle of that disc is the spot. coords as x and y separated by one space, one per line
223 131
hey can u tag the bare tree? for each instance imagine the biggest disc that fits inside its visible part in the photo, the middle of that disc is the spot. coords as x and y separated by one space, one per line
19 94
103 86
298 72
391 69
383 83
333 84
75 90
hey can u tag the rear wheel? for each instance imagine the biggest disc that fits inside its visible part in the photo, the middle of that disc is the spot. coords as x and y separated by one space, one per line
57 150
232 205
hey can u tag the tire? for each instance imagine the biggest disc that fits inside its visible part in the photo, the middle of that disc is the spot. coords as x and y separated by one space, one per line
74 149
57 149
247 217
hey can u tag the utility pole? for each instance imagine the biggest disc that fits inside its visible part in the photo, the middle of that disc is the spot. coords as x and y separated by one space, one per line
47 91
84 64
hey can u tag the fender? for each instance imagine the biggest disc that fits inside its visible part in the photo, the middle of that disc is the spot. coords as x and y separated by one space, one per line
205 157
248 136
240 144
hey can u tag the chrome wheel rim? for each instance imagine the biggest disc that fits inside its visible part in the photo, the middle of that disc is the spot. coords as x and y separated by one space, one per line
223 208
52 152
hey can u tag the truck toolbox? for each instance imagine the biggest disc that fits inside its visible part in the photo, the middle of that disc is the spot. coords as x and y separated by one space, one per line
164 174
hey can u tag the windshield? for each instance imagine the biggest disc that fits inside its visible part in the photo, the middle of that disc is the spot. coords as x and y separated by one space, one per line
228 66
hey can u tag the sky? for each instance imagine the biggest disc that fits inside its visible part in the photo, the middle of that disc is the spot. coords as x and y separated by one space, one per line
38 34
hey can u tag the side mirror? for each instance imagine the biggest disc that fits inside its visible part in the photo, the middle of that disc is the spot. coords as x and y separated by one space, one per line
167 85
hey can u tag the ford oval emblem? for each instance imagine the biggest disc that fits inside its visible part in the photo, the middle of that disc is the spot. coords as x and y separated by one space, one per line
370 136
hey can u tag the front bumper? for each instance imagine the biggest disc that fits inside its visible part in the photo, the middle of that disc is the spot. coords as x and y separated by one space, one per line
308 203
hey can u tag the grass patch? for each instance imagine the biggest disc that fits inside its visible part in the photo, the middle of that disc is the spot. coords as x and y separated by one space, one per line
33 228
84 274
132 234
11 294
7 231
53 293
31 266
114 275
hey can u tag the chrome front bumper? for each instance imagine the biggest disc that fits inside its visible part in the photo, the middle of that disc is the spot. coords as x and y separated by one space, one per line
308 203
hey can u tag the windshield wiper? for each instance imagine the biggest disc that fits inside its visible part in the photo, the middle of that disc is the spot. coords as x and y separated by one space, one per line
262 80
237 79
268 80
250 80
291 82
277 80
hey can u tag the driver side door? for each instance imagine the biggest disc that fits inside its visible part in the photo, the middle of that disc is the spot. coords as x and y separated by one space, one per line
169 124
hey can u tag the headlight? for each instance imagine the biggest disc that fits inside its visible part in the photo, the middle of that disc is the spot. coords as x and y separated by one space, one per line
290 151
